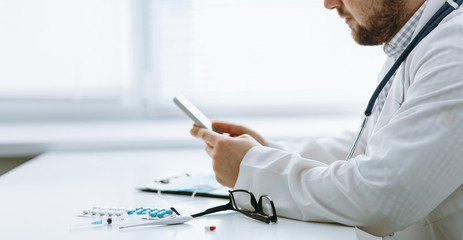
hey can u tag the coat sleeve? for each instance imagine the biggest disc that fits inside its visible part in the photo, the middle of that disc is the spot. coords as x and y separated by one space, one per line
326 149
412 164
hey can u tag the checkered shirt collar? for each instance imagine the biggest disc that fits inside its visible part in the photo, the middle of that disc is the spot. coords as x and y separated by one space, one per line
401 40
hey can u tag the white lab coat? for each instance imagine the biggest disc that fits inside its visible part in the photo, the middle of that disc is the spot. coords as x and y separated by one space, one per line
405 180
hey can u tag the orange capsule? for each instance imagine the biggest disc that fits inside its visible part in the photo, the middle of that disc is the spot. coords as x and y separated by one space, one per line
209 228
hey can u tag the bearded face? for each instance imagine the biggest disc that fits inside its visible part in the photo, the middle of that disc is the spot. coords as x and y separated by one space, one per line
374 22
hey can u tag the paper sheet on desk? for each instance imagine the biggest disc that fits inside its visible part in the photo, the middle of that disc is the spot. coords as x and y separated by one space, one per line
204 185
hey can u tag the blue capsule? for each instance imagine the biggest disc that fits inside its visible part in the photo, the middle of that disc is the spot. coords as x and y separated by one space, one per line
169 212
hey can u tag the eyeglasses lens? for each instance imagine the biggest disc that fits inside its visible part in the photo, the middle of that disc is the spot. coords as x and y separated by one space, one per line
267 207
242 201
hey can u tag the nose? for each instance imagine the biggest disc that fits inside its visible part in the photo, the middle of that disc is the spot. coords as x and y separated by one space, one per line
332 4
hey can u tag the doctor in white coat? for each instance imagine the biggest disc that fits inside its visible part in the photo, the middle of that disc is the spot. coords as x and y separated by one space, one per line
405 178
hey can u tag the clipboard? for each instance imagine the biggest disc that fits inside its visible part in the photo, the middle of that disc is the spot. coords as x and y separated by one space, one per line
201 185
186 193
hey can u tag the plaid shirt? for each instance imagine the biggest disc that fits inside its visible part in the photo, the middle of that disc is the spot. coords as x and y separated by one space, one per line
395 47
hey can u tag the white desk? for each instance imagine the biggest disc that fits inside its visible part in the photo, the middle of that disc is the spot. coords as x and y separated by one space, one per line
39 200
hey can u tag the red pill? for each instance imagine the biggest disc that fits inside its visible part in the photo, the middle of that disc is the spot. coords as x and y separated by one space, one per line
209 228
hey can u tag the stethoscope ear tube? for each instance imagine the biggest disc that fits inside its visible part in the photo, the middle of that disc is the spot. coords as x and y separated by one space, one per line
445 10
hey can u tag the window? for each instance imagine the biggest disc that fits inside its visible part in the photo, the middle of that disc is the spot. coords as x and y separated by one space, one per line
132 57
272 55
62 57
64 49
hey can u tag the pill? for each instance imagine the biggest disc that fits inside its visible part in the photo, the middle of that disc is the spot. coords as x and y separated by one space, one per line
209 228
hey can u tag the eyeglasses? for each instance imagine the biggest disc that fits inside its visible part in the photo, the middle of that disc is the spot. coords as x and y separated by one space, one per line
244 202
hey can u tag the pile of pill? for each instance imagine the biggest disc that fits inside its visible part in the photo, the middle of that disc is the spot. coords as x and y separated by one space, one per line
98 211
152 212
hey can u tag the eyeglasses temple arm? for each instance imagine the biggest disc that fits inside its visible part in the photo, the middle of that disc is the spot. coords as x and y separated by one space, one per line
227 206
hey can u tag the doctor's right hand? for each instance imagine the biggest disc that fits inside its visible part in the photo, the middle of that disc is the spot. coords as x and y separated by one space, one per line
227 152
235 130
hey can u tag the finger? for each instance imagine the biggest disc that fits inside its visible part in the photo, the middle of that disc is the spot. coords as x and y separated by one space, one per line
227 127
194 131
206 135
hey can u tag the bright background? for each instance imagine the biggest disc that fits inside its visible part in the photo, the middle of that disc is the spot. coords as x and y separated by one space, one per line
237 56
102 73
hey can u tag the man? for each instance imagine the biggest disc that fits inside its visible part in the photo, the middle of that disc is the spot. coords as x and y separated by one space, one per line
405 178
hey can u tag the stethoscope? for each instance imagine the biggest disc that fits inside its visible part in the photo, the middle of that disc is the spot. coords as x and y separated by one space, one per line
445 10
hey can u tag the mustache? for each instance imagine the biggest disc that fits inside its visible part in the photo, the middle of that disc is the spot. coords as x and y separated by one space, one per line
343 13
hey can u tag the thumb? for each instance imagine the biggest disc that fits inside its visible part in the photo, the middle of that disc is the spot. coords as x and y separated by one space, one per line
227 127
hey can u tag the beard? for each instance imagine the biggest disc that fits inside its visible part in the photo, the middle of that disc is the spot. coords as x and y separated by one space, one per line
383 23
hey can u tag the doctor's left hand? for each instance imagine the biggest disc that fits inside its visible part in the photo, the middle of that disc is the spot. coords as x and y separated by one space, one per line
226 152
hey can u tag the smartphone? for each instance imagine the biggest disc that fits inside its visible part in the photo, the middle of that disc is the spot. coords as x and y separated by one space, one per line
193 112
